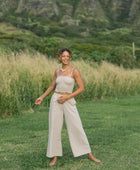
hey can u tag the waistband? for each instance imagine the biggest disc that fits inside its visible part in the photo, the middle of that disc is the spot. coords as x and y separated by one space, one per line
62 93
55 97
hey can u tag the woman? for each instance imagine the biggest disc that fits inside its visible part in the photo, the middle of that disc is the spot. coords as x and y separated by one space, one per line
64 105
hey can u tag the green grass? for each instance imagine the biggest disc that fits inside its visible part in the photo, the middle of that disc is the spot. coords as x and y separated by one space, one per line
7 28
112 127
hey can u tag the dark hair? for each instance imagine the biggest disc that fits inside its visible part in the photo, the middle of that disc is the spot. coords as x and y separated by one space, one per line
64 49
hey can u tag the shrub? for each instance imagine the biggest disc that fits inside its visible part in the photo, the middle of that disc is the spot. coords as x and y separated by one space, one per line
122 56
137 53
46 45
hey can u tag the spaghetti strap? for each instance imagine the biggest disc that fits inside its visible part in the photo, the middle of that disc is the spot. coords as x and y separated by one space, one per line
58 72
72 71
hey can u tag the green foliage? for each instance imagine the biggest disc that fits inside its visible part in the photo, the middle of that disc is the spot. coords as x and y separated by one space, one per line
137 53
89 48
17 47
94 25
49 46
117 55
97 46
15 44
68 31
12 37
37 28
123 56
71 2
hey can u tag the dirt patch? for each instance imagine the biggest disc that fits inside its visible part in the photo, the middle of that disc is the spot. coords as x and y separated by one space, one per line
12 29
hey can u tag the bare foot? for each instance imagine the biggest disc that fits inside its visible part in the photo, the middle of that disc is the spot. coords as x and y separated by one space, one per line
53 161
93 158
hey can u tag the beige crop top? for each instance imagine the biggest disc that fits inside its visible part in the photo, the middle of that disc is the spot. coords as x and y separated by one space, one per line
65 84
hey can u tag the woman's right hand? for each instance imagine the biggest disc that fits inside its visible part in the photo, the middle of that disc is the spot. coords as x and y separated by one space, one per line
38 101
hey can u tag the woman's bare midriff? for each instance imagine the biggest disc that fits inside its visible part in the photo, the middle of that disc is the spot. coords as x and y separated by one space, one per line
62 93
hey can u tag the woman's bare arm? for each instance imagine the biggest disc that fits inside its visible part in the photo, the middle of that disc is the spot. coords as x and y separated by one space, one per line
49 90
78 79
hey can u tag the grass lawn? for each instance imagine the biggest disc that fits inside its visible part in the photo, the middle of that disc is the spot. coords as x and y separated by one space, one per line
112 127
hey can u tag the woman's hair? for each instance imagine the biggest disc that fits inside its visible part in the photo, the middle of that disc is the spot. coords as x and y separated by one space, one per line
61 51
64 49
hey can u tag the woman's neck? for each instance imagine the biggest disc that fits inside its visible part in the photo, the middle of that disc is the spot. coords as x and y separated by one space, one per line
65 66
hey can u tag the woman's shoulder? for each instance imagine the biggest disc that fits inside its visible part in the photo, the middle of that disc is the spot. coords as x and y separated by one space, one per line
76 72
56 71
75 69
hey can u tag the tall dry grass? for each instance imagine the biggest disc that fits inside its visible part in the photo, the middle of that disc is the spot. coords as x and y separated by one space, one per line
25 77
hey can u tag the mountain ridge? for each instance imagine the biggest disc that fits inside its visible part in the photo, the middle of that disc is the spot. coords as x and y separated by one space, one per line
125 12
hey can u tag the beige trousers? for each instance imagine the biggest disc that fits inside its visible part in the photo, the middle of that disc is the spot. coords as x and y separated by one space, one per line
78 140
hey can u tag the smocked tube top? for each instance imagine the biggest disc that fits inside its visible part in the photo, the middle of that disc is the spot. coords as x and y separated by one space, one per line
64 84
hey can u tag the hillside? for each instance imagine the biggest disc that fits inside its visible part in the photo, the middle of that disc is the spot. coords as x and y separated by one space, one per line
92 24
85 17
73 12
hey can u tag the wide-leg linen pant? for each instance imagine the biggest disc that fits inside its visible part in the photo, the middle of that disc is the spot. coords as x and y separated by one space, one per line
78 140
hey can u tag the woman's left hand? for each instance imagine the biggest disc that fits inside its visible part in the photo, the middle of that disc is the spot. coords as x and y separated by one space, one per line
62 99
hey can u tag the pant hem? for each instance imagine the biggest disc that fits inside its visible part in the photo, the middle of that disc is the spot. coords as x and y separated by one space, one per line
53 156
82 154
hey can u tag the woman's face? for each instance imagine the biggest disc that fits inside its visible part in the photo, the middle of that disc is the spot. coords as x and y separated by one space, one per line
65 58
